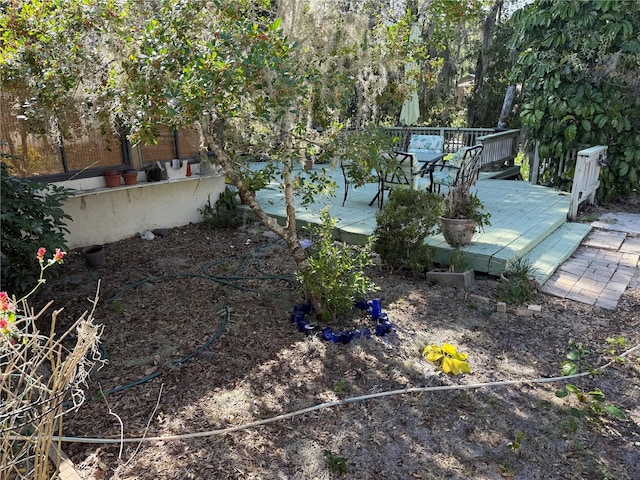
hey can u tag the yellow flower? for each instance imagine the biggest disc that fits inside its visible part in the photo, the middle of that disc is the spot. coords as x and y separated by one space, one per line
449 358
433 353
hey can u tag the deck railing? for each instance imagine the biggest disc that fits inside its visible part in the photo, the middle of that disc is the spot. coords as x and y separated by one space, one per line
586 178
539 166
499 148
454 138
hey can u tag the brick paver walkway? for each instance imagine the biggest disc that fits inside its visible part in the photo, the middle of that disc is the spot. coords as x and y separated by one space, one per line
604 265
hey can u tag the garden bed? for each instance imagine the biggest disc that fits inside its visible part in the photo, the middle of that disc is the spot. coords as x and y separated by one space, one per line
224 296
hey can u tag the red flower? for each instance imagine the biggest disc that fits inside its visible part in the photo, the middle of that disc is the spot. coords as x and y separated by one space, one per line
59 255
41 252
5 304
4 325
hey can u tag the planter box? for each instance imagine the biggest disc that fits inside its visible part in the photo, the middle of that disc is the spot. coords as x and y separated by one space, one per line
464 280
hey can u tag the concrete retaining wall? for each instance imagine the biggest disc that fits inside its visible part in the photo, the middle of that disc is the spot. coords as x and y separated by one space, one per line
104 215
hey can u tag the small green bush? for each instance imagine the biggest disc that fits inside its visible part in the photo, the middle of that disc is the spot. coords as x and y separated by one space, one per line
517 285
224 214
32 217
335 277
403 224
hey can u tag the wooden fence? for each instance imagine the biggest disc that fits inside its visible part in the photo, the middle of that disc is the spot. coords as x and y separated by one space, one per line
539 166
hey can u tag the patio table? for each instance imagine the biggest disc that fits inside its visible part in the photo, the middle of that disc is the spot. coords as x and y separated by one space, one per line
428 162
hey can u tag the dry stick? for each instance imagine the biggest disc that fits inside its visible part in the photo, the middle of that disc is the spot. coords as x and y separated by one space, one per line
34 381
58 380
66 374
337 403
146 429
111 412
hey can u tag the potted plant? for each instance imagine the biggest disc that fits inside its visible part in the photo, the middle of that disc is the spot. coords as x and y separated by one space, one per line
464 213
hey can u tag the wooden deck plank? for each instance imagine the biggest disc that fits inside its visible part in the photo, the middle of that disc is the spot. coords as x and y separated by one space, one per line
549 254
508 173
66 468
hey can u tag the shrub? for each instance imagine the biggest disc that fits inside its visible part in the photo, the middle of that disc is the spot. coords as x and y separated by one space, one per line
224 214
403 224
517 284
31 216
335 277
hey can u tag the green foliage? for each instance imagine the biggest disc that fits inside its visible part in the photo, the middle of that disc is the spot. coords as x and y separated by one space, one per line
593 404
576 359
340 385
485 105
578 67
453 34
457 262
615 344
517 440
336 464
335 275
224 214
360 152
402 225
517 285
31 217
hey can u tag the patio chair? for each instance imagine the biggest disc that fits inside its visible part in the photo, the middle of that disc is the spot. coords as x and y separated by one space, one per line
353 174
464 166
405 172
425 146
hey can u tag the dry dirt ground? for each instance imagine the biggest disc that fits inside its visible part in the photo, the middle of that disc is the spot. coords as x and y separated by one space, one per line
163 299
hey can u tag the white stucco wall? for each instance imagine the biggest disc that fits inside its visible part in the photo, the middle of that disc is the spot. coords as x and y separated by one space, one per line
104 215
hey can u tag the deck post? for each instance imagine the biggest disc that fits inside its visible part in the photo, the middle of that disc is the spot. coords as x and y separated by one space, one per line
534 165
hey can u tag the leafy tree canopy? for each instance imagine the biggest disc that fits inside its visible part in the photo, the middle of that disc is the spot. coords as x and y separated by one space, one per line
579 67
254 78
251 77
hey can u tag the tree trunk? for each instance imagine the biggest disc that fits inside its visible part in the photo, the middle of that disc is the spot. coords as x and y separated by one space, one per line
483 58
506 107
288 232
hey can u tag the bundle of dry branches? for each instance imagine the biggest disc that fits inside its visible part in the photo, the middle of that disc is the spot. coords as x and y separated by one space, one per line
41 378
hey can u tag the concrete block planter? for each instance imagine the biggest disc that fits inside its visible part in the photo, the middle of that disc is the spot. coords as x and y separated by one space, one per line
466 280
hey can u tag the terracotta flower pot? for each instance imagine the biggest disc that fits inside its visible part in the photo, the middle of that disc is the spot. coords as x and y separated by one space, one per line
130 178
112 180
308 164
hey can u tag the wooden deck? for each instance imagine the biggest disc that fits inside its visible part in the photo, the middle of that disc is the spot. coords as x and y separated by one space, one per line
526 221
